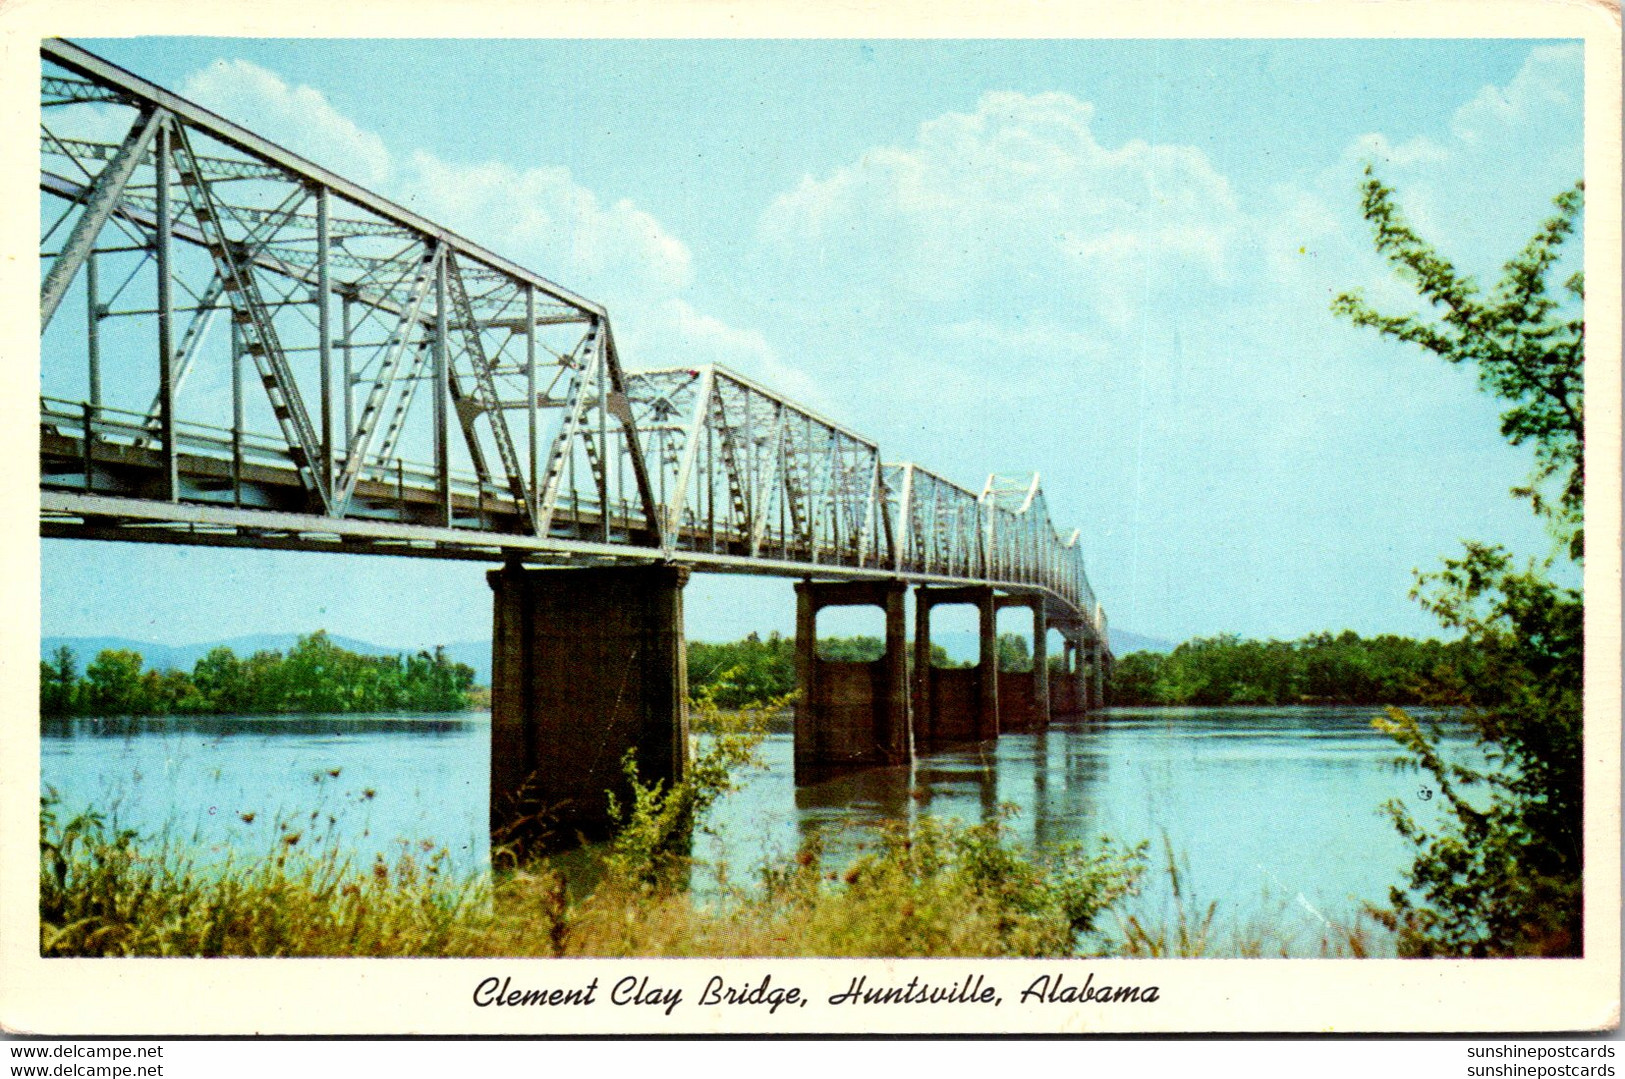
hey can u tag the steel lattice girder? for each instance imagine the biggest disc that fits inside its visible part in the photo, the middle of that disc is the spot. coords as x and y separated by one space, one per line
740 468
346 305
284 243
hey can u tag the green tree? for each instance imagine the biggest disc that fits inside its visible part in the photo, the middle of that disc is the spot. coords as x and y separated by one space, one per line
221 682
58 683
859 649
113 685
1501 875
1134 679
1012 652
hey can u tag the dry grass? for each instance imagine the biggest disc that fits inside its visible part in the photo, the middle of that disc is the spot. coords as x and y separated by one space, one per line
1186 927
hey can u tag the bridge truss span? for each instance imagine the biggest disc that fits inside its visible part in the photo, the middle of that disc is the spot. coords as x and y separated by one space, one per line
240 348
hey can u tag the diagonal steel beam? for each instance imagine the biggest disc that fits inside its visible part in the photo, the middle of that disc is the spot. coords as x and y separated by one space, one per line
589 354
203 316
100 201
484 400
768 480
367 423
677 499
403 406
732 454
619 406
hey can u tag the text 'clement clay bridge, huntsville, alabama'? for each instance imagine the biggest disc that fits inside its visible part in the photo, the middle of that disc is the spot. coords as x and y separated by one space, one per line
241 349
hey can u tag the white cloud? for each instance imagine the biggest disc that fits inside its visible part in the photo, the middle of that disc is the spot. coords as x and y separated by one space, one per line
1477 194
543 218
539 217
1017 193
96 122
298 117
1377 149
1549 83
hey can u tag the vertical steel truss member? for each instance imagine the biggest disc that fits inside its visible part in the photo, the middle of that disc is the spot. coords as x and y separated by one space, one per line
180 215
583 375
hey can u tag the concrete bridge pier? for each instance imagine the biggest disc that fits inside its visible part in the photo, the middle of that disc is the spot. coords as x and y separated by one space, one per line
850 715
587 664
1024 695
1063 684
1103 670
1091 680
952 704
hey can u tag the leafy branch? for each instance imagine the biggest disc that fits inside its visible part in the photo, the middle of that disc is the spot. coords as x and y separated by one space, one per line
1527 343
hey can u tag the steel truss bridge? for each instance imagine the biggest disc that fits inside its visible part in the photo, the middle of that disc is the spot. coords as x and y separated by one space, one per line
240 348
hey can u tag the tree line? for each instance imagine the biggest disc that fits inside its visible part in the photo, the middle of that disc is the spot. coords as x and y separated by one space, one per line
737 674
315 675
1317 669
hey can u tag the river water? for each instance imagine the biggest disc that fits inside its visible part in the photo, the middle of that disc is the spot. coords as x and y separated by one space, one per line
1272 814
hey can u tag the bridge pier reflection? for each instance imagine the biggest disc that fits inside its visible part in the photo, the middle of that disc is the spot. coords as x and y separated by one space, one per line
1092 676
586 665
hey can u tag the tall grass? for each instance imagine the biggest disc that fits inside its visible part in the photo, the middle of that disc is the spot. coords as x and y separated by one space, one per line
103 893
944 889
1185 926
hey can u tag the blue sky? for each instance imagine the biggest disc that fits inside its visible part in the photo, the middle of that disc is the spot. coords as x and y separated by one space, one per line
1109 261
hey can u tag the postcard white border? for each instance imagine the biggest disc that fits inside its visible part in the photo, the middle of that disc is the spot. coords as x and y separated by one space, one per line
180 996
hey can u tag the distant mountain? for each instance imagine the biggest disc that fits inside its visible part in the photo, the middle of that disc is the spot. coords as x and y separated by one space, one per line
1126 641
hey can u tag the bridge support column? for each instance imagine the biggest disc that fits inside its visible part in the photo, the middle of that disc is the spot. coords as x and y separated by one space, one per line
586 665
1063 684
951 704
1103 670
1024 695
1089 678
850 715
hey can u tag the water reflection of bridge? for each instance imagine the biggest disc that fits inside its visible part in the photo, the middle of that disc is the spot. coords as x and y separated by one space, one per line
383 386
